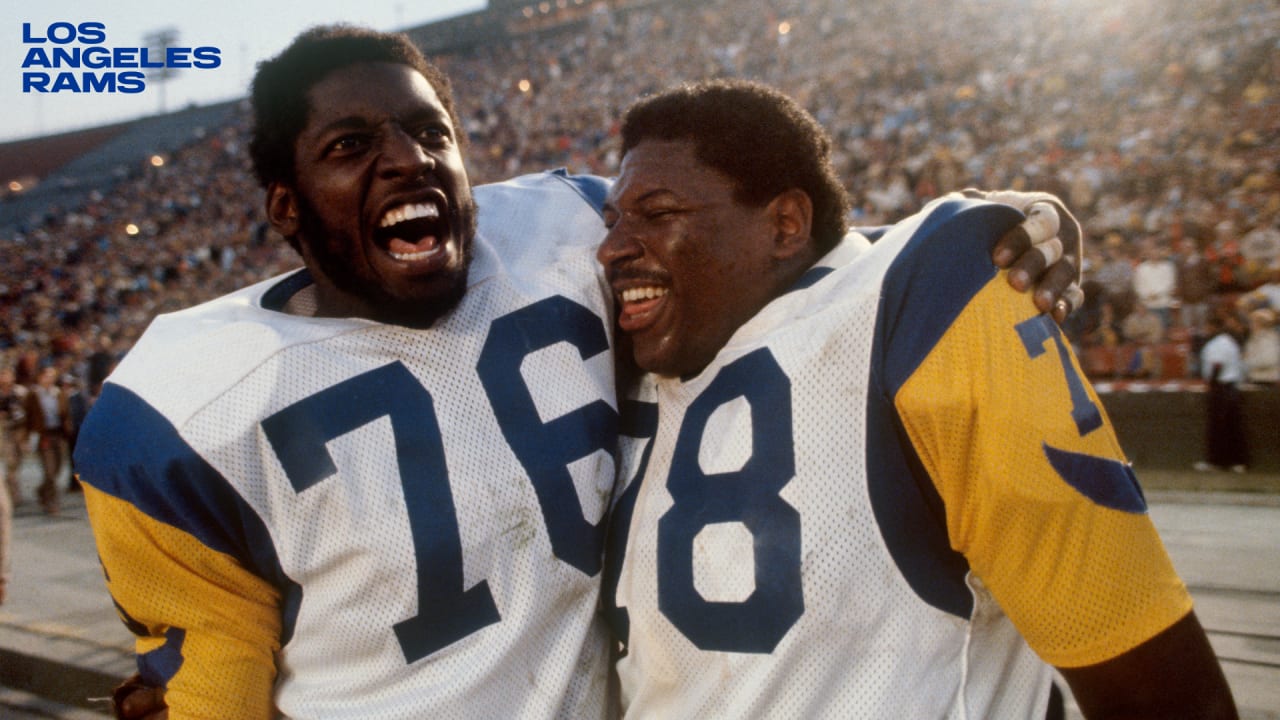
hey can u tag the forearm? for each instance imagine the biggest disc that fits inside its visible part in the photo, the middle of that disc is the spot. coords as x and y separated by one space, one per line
207 629
1173 675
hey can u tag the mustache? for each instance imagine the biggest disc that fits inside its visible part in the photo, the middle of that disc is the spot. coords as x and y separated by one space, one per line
629 275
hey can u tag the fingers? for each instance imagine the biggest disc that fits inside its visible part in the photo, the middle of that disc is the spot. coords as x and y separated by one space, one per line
1070 301
1074 296
1029 266
1031 250
1047 215
1058 284
1042 223
1061 309
1039 233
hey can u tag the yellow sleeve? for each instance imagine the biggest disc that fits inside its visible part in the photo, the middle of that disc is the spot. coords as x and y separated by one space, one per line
205 625
1039 497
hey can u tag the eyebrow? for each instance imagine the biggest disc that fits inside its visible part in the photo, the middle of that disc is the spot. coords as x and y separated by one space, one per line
646 196
357 121
349 122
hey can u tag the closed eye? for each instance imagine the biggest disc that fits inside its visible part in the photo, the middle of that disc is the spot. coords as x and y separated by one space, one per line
656 213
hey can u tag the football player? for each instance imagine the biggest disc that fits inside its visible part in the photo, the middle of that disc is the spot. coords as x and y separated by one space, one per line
376 487
869 480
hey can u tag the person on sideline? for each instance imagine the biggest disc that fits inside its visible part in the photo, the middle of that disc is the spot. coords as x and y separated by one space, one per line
1222 365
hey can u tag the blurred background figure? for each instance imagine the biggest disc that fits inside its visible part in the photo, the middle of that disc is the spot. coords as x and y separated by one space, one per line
1262 348
1144 329
12 414
1222 365
1195 292
76 404
13 431
1155 280
46 419
1115 275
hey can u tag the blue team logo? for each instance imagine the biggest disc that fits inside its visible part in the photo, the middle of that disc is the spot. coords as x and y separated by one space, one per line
1109 483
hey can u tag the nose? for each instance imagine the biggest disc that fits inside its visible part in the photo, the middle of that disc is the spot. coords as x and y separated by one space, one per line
619 245
402 155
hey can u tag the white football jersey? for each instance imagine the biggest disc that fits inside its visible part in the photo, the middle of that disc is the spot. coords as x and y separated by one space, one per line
838 517
405 523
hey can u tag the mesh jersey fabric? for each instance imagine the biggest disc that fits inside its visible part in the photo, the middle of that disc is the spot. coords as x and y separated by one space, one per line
883 482
376 512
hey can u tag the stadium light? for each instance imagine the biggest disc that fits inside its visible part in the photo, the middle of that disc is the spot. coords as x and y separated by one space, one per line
159 41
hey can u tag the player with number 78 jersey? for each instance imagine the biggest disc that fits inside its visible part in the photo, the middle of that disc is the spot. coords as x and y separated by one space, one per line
870 504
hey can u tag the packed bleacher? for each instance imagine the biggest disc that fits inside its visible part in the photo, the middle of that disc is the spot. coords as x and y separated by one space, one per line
1158 122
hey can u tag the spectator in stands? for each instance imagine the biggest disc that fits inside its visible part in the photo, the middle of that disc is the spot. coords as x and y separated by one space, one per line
1266 295
1262 348
1115 276
1108 333
1155 280
27 368
1221 363
1225 259
1143 329
1195 287
46 419
1260 248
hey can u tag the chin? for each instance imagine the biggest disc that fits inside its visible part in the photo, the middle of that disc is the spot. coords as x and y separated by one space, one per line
421 310
657 363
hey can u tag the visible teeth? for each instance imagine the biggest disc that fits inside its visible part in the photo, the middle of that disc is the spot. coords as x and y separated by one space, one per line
414 255
412 211
642 293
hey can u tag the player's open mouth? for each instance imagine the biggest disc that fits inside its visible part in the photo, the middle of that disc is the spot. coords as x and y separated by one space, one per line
412 232
639 306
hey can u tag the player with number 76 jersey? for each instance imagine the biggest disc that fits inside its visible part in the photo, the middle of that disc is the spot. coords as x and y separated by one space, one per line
298 480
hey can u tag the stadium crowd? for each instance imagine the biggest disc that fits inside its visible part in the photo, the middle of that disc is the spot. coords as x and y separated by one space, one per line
1158 122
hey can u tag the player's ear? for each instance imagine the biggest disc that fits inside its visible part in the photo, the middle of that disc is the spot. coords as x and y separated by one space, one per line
282 209
792 215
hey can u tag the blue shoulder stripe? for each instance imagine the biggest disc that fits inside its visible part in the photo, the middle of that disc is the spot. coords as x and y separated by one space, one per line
810 278
872 232
944 264
592 188
156 471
